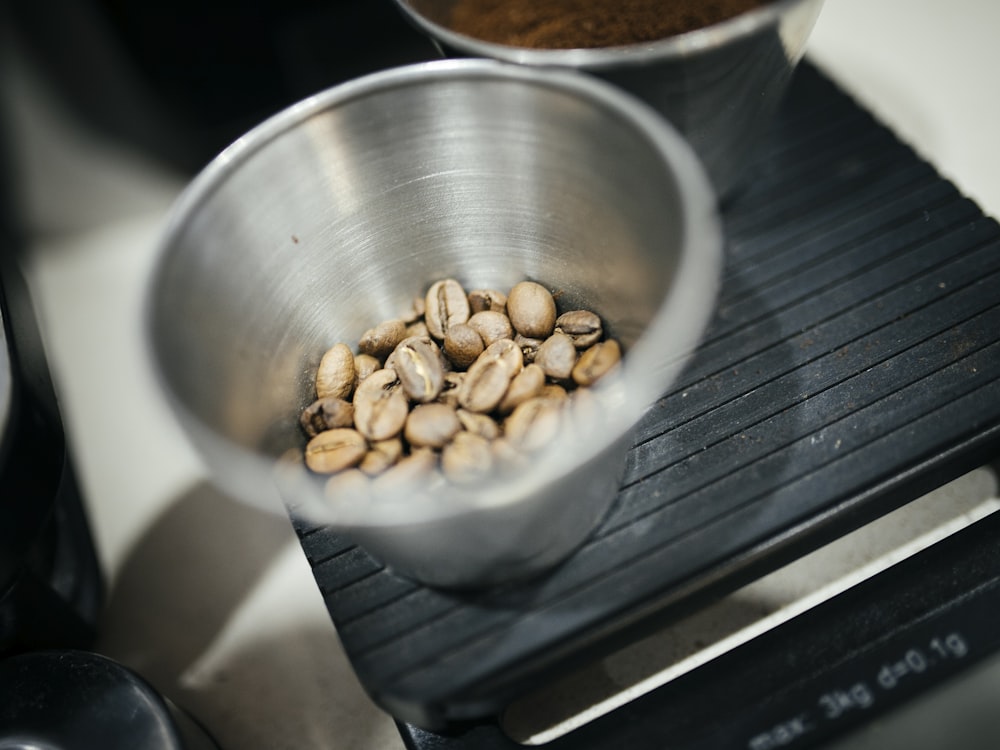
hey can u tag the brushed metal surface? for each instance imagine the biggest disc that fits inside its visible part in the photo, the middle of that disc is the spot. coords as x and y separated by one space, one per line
719 86
332 215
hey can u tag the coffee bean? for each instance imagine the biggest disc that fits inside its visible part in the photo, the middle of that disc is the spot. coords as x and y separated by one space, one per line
335 374
528 346
417 362
478 424
507 352
364 365
415 313
380 406
491 326
484 385
446 304
449 391
557 356
467 459
526 384
380 456
583 326
416 468
532 309
481 300
462 344
382 339
417 328
554 391
597 362
533 425
326 414
335 450
431 425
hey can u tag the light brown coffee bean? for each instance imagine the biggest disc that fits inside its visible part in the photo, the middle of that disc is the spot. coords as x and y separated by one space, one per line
380 405
446 304
326 414
484 385
364 365
335 450
380 456
382 339
554 391
596 362
532 309
491 326
431 425
417 362
478 424
534 424
526 384
417 328
557 356
583 326
335 374
506 352
416 468
467 459
347 486
481 300
462 345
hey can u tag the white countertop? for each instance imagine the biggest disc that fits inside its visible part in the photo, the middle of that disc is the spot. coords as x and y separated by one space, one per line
213 601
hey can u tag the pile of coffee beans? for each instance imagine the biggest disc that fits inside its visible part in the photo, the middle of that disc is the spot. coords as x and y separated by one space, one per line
462 384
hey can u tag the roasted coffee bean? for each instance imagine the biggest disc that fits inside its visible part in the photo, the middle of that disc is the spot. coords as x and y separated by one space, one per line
557 356
380 405
335 450
491 326
481 300
347 486
417 467
467 459
381 455
531 309
431 425
507 352
554 391
382 339
526 384
583 326
364 365
478 424
445 305
417 362
326 414
534 424
597 362
335 374
462 345
417 328
485 384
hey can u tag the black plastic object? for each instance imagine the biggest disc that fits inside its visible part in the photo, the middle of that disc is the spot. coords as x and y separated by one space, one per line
75 700
853 364
50 583
843 664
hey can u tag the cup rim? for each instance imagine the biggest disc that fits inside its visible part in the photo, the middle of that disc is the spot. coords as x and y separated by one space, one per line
674 47
681 317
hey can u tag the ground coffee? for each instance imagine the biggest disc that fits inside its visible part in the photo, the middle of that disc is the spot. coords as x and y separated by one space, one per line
569 24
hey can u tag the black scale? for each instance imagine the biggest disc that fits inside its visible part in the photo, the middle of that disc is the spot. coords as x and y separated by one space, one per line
852 366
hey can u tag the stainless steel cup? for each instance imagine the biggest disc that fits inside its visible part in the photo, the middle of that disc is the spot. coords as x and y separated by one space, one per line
719 85
335 213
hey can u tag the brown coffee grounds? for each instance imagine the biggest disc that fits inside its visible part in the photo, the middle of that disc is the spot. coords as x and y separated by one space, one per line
570 24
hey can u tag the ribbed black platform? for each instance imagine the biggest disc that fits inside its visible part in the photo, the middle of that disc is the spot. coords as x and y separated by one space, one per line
854 363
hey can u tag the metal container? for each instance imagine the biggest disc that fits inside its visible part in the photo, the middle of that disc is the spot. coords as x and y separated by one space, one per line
719 85
335 213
